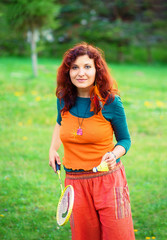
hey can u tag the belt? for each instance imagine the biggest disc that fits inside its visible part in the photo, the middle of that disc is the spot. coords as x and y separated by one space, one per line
91 174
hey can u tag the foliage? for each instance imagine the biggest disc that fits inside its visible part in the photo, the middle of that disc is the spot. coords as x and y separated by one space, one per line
28 15
11 42
122 25
20 17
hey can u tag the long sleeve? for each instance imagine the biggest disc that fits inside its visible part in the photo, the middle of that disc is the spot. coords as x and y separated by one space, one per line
59 107
114 112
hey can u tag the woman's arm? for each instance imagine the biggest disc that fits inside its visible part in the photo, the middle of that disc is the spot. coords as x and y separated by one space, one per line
119 125
55 144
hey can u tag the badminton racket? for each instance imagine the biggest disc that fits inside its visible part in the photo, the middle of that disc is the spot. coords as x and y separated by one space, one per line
66 201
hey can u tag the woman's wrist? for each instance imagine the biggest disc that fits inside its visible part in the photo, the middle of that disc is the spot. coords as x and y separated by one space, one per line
52 148
115 157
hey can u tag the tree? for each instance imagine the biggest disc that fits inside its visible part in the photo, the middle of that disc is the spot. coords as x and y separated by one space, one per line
31 16
118 23
151 25
98 21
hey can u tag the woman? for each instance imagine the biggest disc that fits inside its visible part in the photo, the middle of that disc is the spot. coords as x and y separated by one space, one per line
89 112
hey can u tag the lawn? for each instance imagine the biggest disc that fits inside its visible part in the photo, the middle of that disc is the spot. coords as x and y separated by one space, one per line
29 189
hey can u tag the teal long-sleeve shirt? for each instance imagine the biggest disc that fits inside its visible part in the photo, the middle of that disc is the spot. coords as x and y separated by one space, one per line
112 112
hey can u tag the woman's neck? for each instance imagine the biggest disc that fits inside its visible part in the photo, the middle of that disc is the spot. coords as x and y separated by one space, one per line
84 93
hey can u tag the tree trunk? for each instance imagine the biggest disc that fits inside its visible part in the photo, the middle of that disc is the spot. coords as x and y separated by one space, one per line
34 53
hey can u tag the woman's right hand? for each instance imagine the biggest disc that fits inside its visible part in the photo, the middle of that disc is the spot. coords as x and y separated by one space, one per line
54 157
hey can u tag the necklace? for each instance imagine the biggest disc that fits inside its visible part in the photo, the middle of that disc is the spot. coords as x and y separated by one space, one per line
80 130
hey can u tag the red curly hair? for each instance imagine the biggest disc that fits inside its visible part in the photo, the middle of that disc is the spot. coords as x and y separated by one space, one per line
106 86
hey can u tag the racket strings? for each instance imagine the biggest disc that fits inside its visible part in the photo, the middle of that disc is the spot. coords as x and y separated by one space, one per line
65 205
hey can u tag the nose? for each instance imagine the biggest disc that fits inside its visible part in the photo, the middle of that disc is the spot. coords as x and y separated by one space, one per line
81 72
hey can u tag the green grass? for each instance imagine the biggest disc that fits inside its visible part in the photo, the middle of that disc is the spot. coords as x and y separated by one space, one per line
29 189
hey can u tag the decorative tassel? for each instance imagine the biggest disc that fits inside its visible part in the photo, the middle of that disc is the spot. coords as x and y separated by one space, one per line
97 102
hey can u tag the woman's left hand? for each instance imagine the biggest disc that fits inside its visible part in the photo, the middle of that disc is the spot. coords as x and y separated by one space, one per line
110 159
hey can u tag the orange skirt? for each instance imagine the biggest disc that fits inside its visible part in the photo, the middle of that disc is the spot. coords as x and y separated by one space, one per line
101 206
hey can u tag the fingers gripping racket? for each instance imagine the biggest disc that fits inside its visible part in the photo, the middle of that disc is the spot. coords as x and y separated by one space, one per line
66 201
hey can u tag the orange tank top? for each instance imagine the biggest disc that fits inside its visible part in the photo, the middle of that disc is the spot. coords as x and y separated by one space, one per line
85 151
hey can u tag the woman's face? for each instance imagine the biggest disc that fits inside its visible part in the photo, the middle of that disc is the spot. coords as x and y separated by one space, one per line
82 74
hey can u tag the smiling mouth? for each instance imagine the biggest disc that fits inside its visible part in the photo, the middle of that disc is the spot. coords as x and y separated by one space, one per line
81 80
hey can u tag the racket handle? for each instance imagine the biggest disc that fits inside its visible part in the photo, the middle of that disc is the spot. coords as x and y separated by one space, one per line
57 166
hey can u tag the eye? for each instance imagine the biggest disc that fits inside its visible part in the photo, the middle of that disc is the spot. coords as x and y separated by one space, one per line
87 66
74 67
